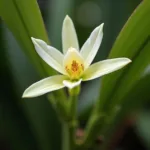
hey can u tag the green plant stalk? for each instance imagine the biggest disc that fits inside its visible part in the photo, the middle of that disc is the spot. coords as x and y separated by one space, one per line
68 136
59 102
95 124
69 125
66 110
65 136
73 121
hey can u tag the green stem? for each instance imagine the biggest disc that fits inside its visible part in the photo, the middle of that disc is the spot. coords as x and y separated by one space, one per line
95 124
69 128
72 111
73 121
69 125
98 124
65 137
73 107
59 102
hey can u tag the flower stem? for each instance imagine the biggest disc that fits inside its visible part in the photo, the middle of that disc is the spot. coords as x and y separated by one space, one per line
65 137
72 111
69 125
73 121
69 128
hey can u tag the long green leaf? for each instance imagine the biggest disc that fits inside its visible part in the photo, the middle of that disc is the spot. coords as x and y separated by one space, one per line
24 20
26 23
132 39
128 44
131 87
134 74
14 127
38 111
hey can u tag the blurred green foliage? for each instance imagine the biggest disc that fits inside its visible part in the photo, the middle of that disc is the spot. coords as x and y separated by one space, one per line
32 123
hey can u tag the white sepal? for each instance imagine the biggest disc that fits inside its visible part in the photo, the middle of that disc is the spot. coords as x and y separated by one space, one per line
49 54
69 36
104 67
44 86
91 46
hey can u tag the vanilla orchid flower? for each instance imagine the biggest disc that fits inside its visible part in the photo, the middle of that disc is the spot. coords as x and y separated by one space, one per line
74 65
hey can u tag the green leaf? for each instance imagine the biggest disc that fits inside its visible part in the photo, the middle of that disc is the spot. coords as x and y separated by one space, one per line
14 127
24 21
38 111
133 75
129 43
132 42
130 87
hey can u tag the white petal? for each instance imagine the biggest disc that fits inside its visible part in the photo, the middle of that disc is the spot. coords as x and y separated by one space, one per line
49 54
69 37
104 67
71 84
91 46
44 86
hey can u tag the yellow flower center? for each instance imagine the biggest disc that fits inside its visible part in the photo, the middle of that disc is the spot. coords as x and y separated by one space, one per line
74 69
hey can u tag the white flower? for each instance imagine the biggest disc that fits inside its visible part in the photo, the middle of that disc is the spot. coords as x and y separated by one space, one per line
74 65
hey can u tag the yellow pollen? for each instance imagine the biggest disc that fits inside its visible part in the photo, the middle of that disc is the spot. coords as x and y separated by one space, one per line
74 66
75 69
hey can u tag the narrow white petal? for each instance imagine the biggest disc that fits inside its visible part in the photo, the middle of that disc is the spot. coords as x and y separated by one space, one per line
104 67
69 36
44 86
49 54
91 46
71 84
